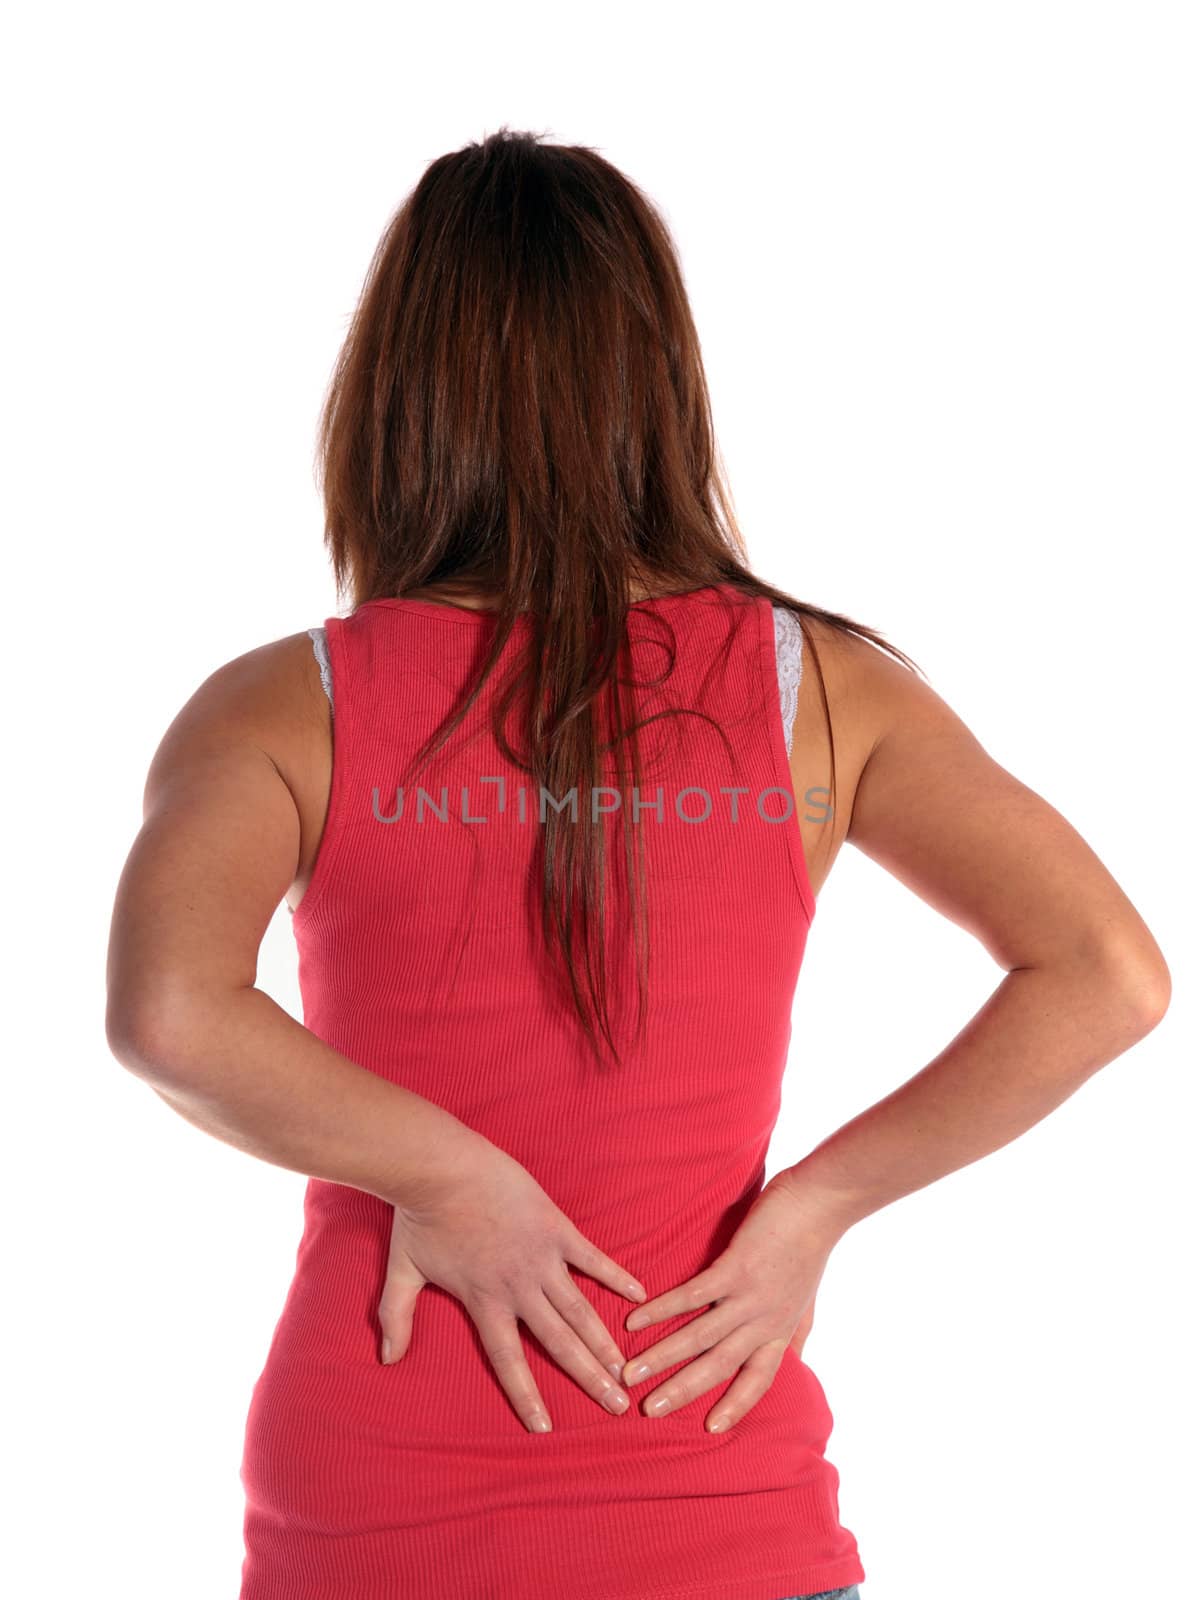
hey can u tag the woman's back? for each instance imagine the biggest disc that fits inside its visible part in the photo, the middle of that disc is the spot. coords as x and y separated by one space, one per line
520 405
422 960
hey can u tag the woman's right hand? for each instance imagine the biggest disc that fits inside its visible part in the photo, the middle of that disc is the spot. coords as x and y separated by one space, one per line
490 1235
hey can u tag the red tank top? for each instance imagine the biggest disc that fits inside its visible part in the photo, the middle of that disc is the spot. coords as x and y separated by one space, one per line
421 959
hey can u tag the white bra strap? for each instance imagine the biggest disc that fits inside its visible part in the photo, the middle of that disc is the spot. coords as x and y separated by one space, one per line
320 648
788 648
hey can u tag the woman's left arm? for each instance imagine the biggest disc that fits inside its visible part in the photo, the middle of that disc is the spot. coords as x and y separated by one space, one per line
1085 980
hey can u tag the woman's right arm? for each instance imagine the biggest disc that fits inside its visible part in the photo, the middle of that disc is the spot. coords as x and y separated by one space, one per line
215 855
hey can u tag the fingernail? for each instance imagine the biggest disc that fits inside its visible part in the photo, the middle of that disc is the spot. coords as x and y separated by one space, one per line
386 1351
616 1400
616 1368
637 1373
635 1289
541 1423
656 1407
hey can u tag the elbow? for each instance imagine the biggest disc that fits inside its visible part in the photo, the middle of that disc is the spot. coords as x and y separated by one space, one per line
1151 992
147 1034
1142 979
134 1036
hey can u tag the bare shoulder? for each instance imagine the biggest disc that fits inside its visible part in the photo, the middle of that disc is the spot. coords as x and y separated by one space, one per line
270 696
925 800
870 683
267 704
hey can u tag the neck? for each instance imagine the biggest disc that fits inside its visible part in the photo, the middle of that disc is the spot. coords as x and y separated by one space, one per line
477 600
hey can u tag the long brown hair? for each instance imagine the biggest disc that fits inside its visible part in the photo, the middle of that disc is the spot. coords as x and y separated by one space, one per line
520 408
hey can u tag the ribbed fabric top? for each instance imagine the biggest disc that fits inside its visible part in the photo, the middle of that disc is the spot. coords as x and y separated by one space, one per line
788 645
421 958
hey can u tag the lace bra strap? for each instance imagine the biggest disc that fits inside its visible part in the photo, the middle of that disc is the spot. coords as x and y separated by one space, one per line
788 647
320 648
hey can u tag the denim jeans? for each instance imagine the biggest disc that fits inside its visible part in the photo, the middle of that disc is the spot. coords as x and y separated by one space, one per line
851 1593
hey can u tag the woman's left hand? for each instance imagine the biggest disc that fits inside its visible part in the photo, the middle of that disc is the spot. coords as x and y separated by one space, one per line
761 1291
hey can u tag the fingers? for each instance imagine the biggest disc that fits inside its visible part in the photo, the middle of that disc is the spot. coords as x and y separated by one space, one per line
568 1351
501 1341
709 1333
579 1250
704 1333
747 1388
701 1290
397 1307
716 1365
753 1365
698 1335
575 1309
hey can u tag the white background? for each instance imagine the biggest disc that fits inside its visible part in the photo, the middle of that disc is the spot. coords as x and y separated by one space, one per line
943 263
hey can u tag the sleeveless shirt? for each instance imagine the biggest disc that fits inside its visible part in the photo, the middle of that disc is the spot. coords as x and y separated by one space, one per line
422 959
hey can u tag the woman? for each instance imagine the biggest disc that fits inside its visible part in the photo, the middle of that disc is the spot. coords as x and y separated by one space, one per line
532 806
